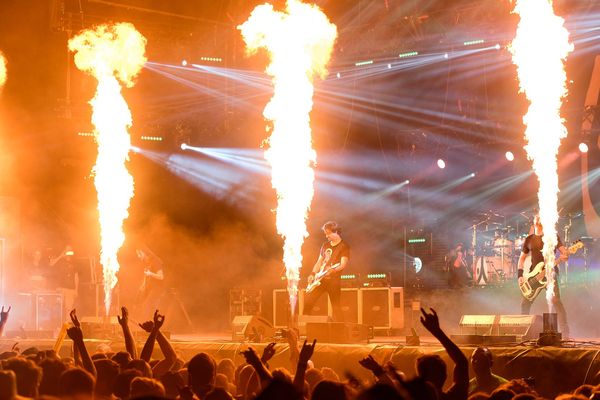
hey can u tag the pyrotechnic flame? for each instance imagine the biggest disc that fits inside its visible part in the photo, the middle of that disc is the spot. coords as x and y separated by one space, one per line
2 70
299 41
111 53
539 50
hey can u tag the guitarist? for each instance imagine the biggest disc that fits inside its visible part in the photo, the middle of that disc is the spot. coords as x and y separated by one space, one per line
333 258
533 246
151 290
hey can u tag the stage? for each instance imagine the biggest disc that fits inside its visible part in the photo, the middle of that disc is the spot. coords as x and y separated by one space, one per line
559 368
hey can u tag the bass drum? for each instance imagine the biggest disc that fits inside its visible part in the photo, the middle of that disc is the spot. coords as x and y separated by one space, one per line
492 270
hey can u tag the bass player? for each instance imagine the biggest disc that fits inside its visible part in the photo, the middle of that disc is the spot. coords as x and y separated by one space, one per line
325 276
533 246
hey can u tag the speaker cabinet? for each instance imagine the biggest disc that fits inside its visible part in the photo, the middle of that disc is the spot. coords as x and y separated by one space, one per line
382 308
281 308
322 307
349 303
48 311
525 326
251 327
337 332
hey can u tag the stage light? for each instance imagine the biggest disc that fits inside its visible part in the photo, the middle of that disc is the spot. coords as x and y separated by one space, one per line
497 46
389 66
583 147
184 146
152 138
441 163
406 182
446 56
472 42
361 63
184 63
472 174
408 54
211 59
509 155
418 264
338 75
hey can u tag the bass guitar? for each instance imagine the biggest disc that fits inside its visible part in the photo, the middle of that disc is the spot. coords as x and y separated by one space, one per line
319 277
535 280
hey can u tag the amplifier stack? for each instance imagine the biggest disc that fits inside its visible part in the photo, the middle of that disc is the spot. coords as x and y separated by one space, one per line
381 308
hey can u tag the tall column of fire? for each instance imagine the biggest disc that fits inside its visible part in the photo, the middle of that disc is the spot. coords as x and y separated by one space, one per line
299 42
112 54
2 70
539 50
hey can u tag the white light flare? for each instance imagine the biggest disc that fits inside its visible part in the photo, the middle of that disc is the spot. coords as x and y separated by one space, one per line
3 73
111 53
539 50
299 42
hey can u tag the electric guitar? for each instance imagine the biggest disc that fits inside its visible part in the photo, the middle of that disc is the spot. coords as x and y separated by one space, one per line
535 280
319 276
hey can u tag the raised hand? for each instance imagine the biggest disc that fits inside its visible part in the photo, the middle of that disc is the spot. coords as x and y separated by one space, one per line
4 315
268 353
147 326
430 320
306 352
75 333
124 318
291 336
372 365
74 320
159 320
251 357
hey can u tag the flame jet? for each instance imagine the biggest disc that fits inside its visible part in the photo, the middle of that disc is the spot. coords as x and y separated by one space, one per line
299 42
112 54
2 70
539 50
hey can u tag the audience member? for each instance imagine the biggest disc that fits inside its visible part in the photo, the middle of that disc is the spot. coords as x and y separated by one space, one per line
484 380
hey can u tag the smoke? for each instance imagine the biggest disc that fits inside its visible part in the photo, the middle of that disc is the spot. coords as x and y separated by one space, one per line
202 267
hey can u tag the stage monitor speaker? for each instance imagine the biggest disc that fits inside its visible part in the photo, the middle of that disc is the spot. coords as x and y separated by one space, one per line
281 308
349 304
337 332
526 326
475 324
251 327
382 308
321 307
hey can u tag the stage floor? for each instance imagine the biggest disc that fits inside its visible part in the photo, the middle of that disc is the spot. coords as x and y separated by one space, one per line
555 369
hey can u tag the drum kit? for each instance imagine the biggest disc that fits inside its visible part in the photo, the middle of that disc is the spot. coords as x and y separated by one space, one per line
497 241
496 247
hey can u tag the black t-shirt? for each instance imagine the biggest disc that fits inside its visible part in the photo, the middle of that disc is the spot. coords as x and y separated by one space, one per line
533 245
333 255
66 270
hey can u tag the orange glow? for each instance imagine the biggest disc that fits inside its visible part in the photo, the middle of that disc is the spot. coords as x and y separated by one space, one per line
299 41
539 50
2 69
111 53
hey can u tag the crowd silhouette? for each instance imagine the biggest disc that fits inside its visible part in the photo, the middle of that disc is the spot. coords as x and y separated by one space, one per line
107 375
